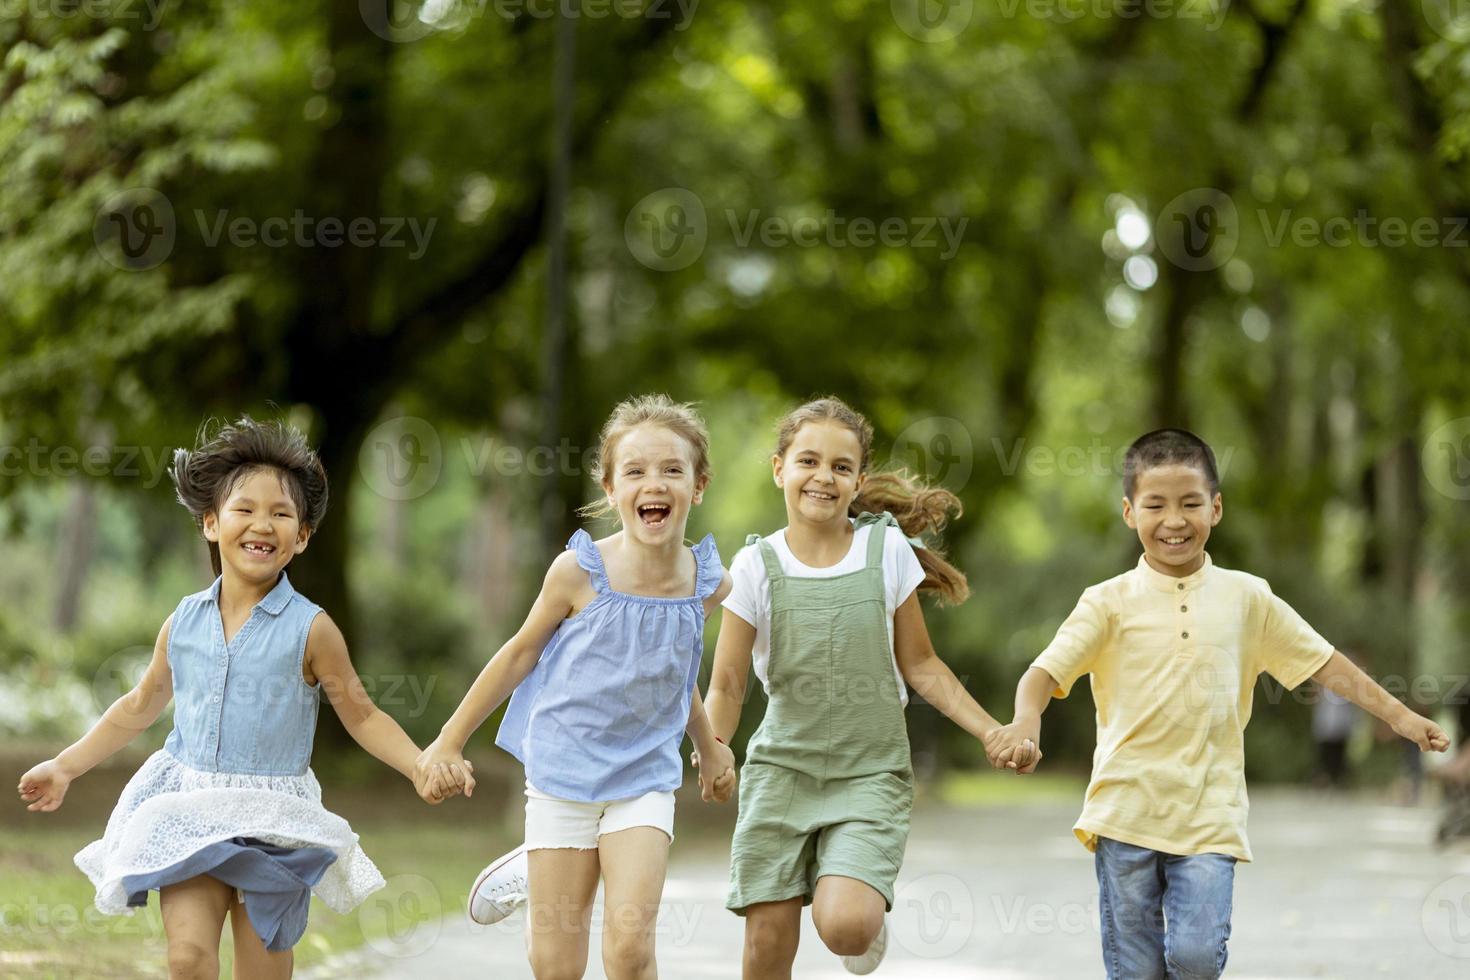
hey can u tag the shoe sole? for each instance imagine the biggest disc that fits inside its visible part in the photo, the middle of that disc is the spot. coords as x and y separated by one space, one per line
475 888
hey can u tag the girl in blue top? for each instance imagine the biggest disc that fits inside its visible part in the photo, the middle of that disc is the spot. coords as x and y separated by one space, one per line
604 672
227 817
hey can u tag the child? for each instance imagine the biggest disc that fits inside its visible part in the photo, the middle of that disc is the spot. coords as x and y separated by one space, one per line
1174 648
609 655
827 610
227 816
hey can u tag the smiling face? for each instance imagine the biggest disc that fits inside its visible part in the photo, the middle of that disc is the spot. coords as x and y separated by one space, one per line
819 473
652 484
257 527
1173 511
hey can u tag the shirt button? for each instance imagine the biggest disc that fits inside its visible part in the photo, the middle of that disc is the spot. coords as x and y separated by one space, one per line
1180 586
1185 634
1184 609
216 697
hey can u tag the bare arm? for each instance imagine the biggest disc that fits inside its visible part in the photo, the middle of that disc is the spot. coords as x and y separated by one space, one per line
728 677
514 661
1018 745
931 677
45 785
328 660
1343 677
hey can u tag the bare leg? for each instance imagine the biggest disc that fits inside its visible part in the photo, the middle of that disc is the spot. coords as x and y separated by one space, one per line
193 918
559 918
634 863
772 931
252 960
847 913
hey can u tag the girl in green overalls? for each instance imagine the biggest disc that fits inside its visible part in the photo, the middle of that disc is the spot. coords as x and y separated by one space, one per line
827 612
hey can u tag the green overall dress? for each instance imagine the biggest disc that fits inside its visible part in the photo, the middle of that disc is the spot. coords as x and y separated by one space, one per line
827 784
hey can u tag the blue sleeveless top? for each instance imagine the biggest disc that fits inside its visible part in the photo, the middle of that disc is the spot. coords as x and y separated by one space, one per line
603 713
243 706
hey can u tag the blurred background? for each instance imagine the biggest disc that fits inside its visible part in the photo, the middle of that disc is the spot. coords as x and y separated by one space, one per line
445 238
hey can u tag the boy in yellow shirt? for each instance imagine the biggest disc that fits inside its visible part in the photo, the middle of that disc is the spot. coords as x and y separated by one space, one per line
1174 647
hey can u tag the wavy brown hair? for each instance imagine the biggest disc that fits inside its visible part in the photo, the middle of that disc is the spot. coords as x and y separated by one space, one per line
226 454
921 510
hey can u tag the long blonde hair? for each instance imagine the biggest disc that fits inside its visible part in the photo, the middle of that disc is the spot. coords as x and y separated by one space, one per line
919 508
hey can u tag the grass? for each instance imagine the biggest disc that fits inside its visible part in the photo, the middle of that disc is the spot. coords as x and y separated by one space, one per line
49 927
987 788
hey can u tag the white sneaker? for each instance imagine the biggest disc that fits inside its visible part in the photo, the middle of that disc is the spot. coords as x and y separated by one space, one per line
866 963
501 888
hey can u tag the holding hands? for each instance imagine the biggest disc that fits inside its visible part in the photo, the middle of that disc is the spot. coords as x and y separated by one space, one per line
442 771
1015 746
716 773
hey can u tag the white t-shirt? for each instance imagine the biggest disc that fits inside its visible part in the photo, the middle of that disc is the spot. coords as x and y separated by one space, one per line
750 593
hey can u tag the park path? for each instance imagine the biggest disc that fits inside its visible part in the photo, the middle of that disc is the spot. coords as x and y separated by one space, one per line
1340 888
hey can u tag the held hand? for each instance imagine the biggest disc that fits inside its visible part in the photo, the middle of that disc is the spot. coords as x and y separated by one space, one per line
716 774
44 786
1015 746
444 780
441 771
1422 732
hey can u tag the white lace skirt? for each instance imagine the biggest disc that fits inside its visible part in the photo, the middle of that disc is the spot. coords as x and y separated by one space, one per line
168 811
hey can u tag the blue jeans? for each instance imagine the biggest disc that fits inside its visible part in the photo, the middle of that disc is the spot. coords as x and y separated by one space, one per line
1163 915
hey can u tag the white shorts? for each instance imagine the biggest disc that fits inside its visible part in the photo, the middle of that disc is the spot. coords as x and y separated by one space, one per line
554 822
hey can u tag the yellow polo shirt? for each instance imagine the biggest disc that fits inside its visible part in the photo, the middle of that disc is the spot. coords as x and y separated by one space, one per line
1174 663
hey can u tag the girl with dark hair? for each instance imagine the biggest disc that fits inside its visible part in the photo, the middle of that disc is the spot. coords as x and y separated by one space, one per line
226 818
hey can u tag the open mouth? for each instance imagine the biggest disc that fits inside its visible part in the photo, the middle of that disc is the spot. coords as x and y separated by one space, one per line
259 548
1176 541
820 495
654 515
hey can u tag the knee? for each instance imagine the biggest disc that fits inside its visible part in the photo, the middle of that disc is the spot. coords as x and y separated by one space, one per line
188 960
848 935
1195 958
768 944
550 963
627 954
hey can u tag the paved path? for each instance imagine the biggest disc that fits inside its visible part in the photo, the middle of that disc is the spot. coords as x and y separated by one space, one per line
1341 889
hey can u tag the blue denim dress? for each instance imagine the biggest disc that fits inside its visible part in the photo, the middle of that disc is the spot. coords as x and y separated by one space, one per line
231 793
603 713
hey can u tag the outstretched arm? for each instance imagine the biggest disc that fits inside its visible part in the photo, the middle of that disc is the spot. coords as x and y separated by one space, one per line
327 659
931 676
511 664
45 785
1343 677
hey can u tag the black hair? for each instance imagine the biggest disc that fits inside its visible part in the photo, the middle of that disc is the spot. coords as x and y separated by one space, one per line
204 477
1163 447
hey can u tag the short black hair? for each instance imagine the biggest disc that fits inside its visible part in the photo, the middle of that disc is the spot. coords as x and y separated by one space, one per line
1164 447
227 454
